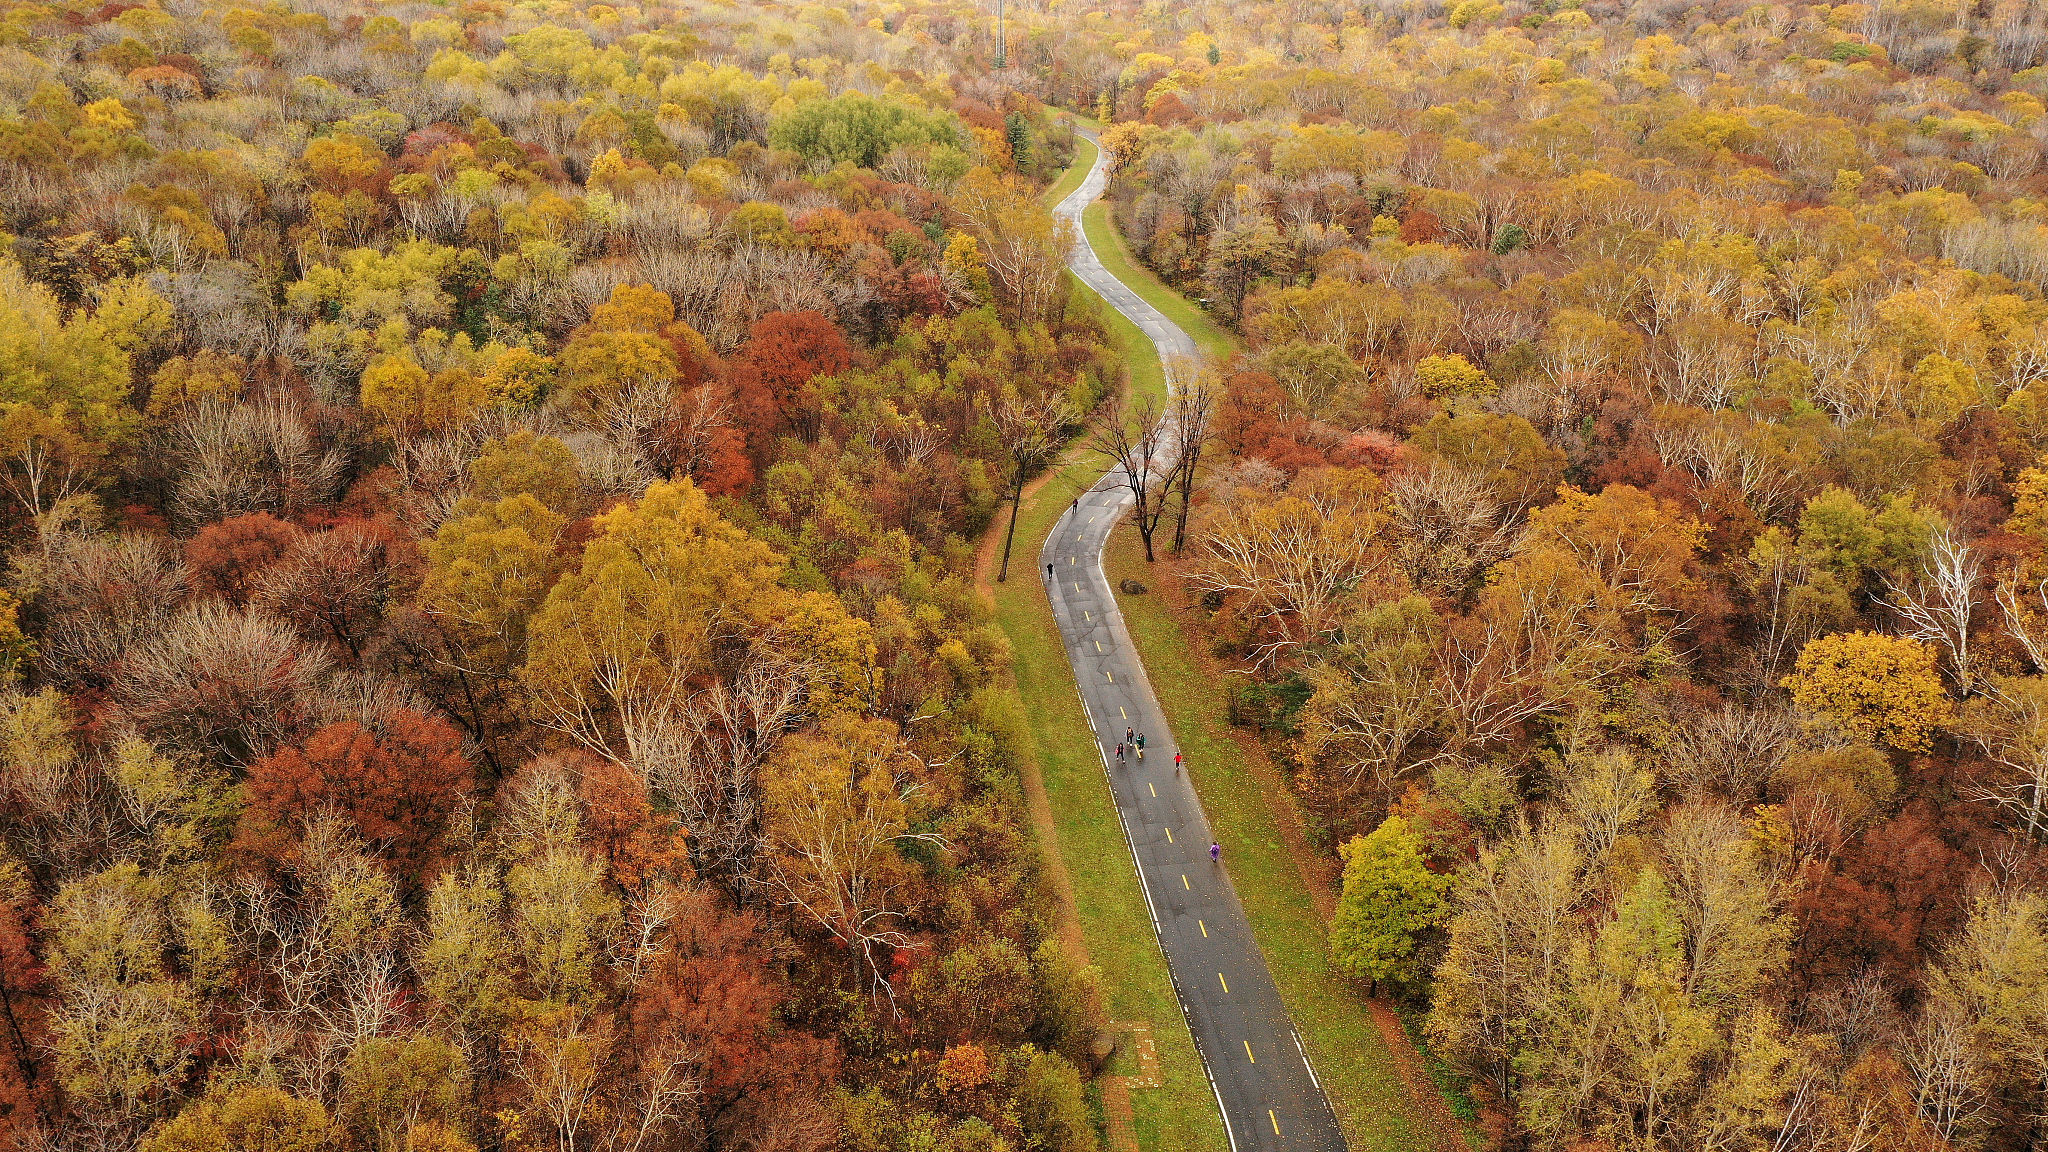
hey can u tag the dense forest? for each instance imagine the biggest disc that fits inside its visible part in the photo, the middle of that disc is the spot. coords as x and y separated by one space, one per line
1629 515
490 496
491 655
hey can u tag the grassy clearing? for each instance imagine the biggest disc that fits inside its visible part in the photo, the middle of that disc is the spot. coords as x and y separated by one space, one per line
1345 1044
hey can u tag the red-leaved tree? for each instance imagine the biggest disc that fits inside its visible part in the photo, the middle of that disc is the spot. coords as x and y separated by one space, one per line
22 976
716 993
620 824
227 556
784 353
398 783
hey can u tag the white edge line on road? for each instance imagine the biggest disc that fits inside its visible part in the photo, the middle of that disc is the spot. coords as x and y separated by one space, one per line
1306 1062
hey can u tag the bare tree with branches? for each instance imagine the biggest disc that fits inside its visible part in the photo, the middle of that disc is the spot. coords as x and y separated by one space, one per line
2023 608
1449 528
1030 430
707 762
1136 441
1730 752
1193 404
2010 724
1939 603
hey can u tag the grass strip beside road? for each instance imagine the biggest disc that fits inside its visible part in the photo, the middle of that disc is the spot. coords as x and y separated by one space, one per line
1344 1043
1215 343
1084 159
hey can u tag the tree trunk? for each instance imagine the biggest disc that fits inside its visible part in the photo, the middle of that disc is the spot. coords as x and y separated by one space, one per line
1016 498
1180 521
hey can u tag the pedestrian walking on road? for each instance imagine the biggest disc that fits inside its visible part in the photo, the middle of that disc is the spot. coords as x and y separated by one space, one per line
1128 735
1048 571
1215 853
1141 745
1176 763
1119 752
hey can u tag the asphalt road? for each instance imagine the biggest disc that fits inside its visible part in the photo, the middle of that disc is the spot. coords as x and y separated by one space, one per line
1268 1093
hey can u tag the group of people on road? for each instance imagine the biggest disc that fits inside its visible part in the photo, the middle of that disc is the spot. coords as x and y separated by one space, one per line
1134 741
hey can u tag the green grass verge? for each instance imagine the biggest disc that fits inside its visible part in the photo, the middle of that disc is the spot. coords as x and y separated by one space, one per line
1215 343
1090 841
1084 159
1345 1044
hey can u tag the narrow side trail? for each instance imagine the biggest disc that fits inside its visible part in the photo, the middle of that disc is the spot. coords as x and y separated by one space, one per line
1268 1092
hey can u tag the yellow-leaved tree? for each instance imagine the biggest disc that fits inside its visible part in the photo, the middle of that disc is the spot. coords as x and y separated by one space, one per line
65 382
670 595
1871 688
836 805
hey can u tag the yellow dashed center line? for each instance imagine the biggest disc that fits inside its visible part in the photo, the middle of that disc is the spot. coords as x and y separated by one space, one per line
1248 1052
1098 645
1203 925
1120 712
1169 831
1091 519
1222 981
1184 882
1077 589
1155 791
1111 675
1275 1120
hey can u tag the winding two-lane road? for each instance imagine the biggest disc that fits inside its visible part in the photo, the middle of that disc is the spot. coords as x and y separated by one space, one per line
1268 1093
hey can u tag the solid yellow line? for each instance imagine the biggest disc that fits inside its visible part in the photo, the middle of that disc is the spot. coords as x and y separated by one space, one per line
1204 927
1169 831
1222 981
1275 1120
1248 1054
